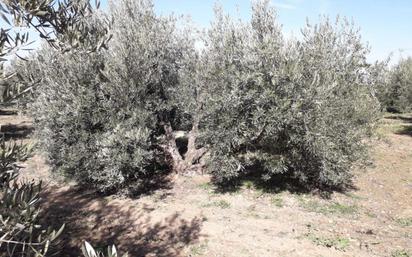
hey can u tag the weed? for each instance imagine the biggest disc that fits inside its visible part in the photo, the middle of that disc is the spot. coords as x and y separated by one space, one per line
404 222
277 201
339 243
209 188
221 204
354 196
251 208
198 249
401 253
206 186
332 208
342 208
248 184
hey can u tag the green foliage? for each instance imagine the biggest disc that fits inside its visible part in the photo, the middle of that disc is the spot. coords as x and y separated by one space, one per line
257 102
10 154
223 204
330 208
277 201
301 108
101 115
21 234
404 222
401 253
398 96
89 251
64 25
339 243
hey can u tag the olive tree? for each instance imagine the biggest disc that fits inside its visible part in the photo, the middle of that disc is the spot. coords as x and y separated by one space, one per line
248 100
62 24
399 92
301 108
111 118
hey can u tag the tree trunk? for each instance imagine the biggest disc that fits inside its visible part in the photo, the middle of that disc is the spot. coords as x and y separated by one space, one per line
193 155
176 160
189 163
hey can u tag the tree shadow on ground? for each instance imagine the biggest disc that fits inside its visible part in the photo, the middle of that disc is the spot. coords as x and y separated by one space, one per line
400 118
8 112
130 227
406 127
405 130
14 132
280 183
153 183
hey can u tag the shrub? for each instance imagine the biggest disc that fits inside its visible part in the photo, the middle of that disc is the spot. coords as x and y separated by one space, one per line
297 108
248 100
102 117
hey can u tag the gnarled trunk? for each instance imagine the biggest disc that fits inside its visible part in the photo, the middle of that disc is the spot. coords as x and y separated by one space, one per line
189 163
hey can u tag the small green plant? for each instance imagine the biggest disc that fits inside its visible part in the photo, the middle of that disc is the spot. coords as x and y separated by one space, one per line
342 208
198 249
277 201
206 186
332 208
221 204
248 184
354 196
339 243
404 222
401 253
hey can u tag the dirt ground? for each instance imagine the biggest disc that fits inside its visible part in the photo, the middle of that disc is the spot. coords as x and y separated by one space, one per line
189 218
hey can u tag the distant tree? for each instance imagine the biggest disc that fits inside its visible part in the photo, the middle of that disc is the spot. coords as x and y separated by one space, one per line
399 94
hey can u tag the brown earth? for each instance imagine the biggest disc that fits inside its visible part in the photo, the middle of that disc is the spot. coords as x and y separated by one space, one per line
189 218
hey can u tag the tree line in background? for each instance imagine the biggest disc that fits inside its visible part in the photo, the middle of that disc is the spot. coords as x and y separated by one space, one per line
396 94
122 97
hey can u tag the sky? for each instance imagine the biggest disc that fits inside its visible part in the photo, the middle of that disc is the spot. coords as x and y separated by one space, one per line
386 25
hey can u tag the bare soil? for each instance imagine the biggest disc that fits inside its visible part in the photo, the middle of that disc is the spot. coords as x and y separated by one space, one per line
188 217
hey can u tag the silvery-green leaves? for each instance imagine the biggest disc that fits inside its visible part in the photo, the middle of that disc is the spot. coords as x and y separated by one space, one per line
21 233
63 24
300 108
396 93
89 251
